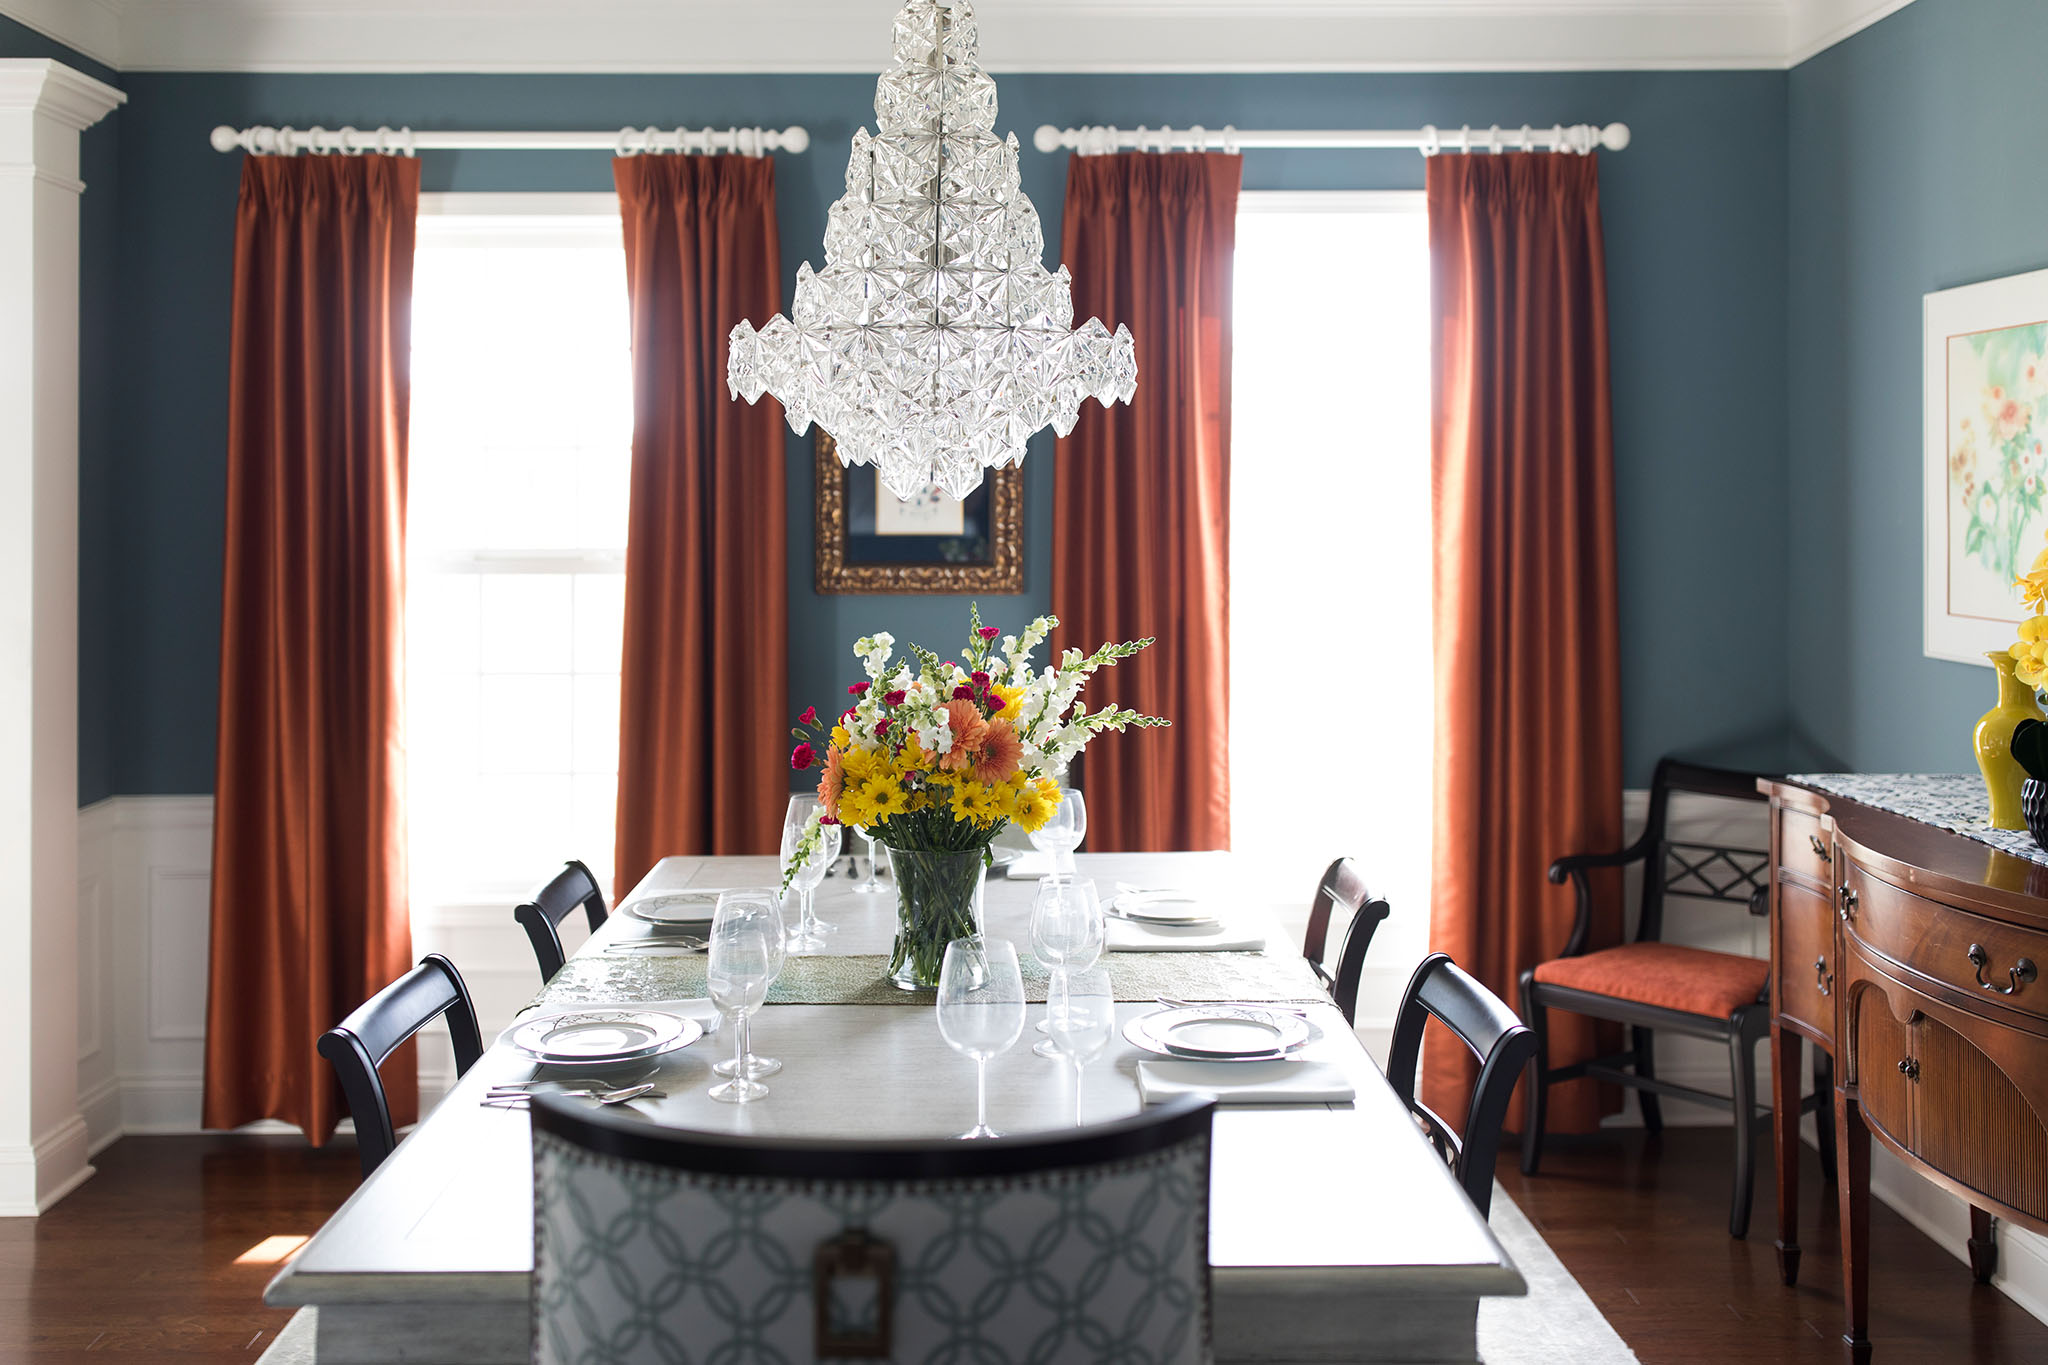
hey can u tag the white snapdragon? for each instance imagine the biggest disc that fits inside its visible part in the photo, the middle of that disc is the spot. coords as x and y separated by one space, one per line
874 651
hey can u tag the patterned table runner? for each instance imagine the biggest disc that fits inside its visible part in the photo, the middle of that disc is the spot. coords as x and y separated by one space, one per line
600 978
1952 801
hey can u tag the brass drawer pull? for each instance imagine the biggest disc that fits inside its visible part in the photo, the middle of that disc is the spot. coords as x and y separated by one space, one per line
1820 850
1847 896
1909 1067
2019 974
1823 977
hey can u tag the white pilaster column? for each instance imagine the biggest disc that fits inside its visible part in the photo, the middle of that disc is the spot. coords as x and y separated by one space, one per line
44 106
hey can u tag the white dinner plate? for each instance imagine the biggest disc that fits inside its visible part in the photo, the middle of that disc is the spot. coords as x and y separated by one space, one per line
596 1037
674 907
1221 1033
1162 910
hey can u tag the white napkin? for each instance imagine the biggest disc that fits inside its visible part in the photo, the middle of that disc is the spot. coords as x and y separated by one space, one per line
1275 1082
1029 866
1128 936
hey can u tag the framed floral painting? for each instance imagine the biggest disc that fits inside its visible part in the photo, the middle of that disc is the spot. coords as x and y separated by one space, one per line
1986 417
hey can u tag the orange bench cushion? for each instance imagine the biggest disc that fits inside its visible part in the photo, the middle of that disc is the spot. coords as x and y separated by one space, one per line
1693 980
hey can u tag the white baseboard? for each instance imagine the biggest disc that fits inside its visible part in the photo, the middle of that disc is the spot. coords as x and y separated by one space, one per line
32 1178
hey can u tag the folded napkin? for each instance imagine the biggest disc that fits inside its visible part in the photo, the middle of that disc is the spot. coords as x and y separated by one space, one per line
1029 866
1128 936
1276 1082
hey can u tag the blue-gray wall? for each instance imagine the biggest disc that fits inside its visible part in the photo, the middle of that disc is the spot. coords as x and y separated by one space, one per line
1696 260
1916 166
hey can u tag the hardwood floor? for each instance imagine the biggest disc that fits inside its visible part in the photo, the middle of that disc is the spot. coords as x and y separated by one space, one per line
140 1263
1643 1224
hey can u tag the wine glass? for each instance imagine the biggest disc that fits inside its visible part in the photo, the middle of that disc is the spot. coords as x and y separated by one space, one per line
768 903
744 956
1067 934
981 1010
809 935
872 883
1060 835
1082 1012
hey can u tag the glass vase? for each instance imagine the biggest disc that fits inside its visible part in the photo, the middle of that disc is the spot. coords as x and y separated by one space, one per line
938 899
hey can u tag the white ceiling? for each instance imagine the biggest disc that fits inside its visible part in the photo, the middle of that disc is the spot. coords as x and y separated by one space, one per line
1017 35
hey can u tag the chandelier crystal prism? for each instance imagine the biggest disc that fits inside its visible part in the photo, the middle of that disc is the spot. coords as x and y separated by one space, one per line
934 343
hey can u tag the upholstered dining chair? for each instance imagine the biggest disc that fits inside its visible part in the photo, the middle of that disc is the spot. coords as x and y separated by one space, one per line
1442 990
1342 889
569 890
656 1244
1654 986
358 1045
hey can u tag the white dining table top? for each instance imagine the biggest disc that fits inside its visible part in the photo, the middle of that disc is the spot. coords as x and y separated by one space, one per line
1345 1194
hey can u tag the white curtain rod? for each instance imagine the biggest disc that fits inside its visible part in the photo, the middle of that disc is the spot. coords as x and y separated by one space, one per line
1582 138
288 141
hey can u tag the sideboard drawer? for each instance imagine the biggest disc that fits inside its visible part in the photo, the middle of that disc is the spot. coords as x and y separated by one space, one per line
1999 963
1803 957
1804 849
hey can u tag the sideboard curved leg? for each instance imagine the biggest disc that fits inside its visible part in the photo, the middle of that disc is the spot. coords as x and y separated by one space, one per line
1852 1159
1983 1245
1785 1049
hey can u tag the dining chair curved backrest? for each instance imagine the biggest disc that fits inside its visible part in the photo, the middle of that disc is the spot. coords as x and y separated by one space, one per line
358 1045
569 890
1085 1244
1342 893
1444 991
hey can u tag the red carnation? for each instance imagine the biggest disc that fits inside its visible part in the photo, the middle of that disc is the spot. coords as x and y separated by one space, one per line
989 632
800 759
980 678
963 693
894 698
858 690
809 717
881 728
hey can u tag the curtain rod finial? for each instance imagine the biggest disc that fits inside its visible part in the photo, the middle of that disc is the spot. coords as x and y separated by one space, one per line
1614 137
1046 139
796 140
225 139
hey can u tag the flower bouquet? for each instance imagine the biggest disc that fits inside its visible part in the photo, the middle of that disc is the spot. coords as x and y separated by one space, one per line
934 758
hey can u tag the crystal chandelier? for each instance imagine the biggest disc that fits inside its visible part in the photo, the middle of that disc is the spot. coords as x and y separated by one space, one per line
933 344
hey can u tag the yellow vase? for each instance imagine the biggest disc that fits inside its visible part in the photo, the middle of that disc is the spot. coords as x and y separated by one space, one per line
2002 772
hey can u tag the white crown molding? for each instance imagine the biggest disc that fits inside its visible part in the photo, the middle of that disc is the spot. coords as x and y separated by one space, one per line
89 27
797 36
1818 25
49 87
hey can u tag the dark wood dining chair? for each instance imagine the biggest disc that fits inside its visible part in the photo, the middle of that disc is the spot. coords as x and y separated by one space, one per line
1653 986
1446 992
1070 1245
358 1045
1342 891
569 890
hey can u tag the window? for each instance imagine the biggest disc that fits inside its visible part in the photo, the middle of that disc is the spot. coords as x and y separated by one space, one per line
1330 556
522 422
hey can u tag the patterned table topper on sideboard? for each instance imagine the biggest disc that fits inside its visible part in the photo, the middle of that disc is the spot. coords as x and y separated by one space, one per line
1950 801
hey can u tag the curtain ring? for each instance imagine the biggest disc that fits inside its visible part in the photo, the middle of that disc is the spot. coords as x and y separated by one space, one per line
1431 143
1493 140
411 149
283 146
1557 137
1198 138
316 139
1528 138
1465 139
1230 139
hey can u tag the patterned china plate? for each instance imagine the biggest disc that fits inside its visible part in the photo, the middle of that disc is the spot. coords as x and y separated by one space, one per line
593 1037
1221 1033
674 907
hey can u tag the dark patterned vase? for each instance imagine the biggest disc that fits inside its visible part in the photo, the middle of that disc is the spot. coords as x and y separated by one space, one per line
2034 805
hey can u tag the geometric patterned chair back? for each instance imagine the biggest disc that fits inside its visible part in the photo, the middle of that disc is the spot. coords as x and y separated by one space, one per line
657 1246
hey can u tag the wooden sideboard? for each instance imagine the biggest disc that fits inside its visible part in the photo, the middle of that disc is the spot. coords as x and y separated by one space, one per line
1914 957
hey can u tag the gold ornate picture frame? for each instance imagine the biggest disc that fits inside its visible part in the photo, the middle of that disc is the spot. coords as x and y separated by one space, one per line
986 557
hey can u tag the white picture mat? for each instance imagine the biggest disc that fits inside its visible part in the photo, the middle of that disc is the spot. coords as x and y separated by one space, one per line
1964 635
931 513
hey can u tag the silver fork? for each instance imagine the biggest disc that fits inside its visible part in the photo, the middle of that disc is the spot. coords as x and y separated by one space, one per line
1174 1004
516 1098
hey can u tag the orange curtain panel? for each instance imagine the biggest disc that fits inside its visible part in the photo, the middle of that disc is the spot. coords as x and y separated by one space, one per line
703 715
1528 690
1141 502
309 873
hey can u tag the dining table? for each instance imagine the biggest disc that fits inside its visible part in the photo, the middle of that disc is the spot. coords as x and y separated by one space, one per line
1336 1231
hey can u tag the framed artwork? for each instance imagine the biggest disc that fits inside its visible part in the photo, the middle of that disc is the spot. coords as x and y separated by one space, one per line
1986 473
869 541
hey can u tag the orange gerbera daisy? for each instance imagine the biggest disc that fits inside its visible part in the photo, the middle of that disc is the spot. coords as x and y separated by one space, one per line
970 731
832 781
1002 753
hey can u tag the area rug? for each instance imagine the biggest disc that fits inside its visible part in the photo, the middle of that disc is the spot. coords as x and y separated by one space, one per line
1555 1325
